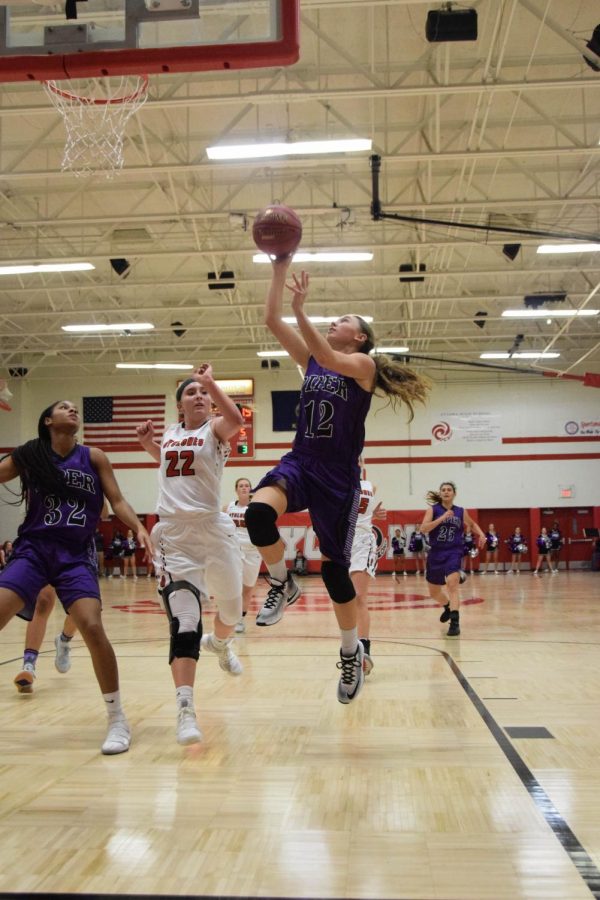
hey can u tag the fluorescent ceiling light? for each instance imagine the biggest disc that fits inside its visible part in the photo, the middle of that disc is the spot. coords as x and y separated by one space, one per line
46 267
288 148
321 320
548 313
180 367
505 355
132 326
272 353
568 248
389 349
332 256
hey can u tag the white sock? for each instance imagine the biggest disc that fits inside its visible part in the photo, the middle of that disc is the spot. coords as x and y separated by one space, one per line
219 643
278 570
184 696
113 705
349 641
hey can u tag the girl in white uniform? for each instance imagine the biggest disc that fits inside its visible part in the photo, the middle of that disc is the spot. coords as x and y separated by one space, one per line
363 564
251 558
195 548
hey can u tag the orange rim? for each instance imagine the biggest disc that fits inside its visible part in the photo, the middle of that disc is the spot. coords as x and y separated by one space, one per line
108 101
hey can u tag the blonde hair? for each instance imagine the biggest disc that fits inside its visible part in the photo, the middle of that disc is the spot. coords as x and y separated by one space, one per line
394 379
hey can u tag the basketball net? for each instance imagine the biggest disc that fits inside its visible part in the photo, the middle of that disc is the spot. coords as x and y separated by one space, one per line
95 121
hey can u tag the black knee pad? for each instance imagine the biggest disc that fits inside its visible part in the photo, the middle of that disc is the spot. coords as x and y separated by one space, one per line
337 581
186 644
261 524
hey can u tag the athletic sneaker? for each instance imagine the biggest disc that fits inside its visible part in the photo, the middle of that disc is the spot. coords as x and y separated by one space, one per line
118 737
281 595
454 629
352 677
62 660
446 613
462 576
187 726
367 664
227 658
240 627
25 678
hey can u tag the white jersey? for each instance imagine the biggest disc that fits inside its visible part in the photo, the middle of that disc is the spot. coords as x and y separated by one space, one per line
366 507
191 466
238 514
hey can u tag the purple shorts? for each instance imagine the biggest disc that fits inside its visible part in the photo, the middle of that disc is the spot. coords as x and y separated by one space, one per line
331 495
437 570
72 572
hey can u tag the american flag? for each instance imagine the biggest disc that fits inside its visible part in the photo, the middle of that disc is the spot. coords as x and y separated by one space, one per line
110 422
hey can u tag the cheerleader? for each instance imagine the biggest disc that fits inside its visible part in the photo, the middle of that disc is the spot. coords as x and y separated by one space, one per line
416 545
398 545
250 556
470 550
446 523
517 545
544 545
129 548
492 542
557 542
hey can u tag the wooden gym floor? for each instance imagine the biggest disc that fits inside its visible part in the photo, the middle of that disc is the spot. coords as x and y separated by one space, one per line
420 789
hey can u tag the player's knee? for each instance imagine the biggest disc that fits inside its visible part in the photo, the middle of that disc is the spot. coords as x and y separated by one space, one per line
337 581
261 522
184 644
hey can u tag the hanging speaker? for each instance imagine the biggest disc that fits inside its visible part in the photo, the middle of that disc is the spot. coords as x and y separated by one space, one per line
451 25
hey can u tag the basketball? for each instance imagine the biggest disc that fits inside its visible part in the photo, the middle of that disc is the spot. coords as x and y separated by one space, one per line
277 231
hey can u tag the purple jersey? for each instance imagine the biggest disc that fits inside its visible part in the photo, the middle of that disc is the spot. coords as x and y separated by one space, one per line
447 538
72 521
331 422
516 541
492 539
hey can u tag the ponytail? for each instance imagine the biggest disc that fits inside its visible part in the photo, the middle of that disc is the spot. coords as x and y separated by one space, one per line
434 497
393 379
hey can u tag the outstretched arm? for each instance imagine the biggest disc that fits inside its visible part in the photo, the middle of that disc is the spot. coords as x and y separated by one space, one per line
359 366
475 527
145 435
287 336
230 420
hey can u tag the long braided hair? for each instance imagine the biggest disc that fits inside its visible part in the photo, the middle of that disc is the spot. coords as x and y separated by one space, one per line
35 465
393 379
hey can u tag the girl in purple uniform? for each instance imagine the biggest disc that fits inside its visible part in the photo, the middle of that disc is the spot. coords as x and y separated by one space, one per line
544 545
445 525
63 484
517 546
492 542
321 473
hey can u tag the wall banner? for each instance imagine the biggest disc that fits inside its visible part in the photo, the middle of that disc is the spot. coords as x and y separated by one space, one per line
469 426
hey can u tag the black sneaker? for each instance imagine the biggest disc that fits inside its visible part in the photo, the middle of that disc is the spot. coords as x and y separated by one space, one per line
446 614
454 629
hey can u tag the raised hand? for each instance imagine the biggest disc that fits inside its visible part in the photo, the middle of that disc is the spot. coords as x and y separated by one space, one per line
299 289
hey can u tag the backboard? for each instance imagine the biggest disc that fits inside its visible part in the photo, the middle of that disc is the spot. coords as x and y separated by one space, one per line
142 37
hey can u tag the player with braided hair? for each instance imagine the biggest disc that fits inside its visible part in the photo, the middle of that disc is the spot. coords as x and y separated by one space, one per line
63 484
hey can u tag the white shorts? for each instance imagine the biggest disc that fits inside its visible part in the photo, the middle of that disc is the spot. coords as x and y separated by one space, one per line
364 553
205 552
251 560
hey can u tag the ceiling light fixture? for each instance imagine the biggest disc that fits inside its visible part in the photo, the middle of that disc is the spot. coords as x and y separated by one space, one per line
321 320
319 257
179 367
271 353
131 326
568 248
389 349
506 355
288 148
46 267
546 313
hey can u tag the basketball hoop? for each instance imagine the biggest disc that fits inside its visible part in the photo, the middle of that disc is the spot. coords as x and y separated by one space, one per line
95 122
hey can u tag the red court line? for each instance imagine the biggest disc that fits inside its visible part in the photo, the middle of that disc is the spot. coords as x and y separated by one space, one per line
563 439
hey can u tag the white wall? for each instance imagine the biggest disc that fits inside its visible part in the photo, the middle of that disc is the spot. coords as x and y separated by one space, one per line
526 406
